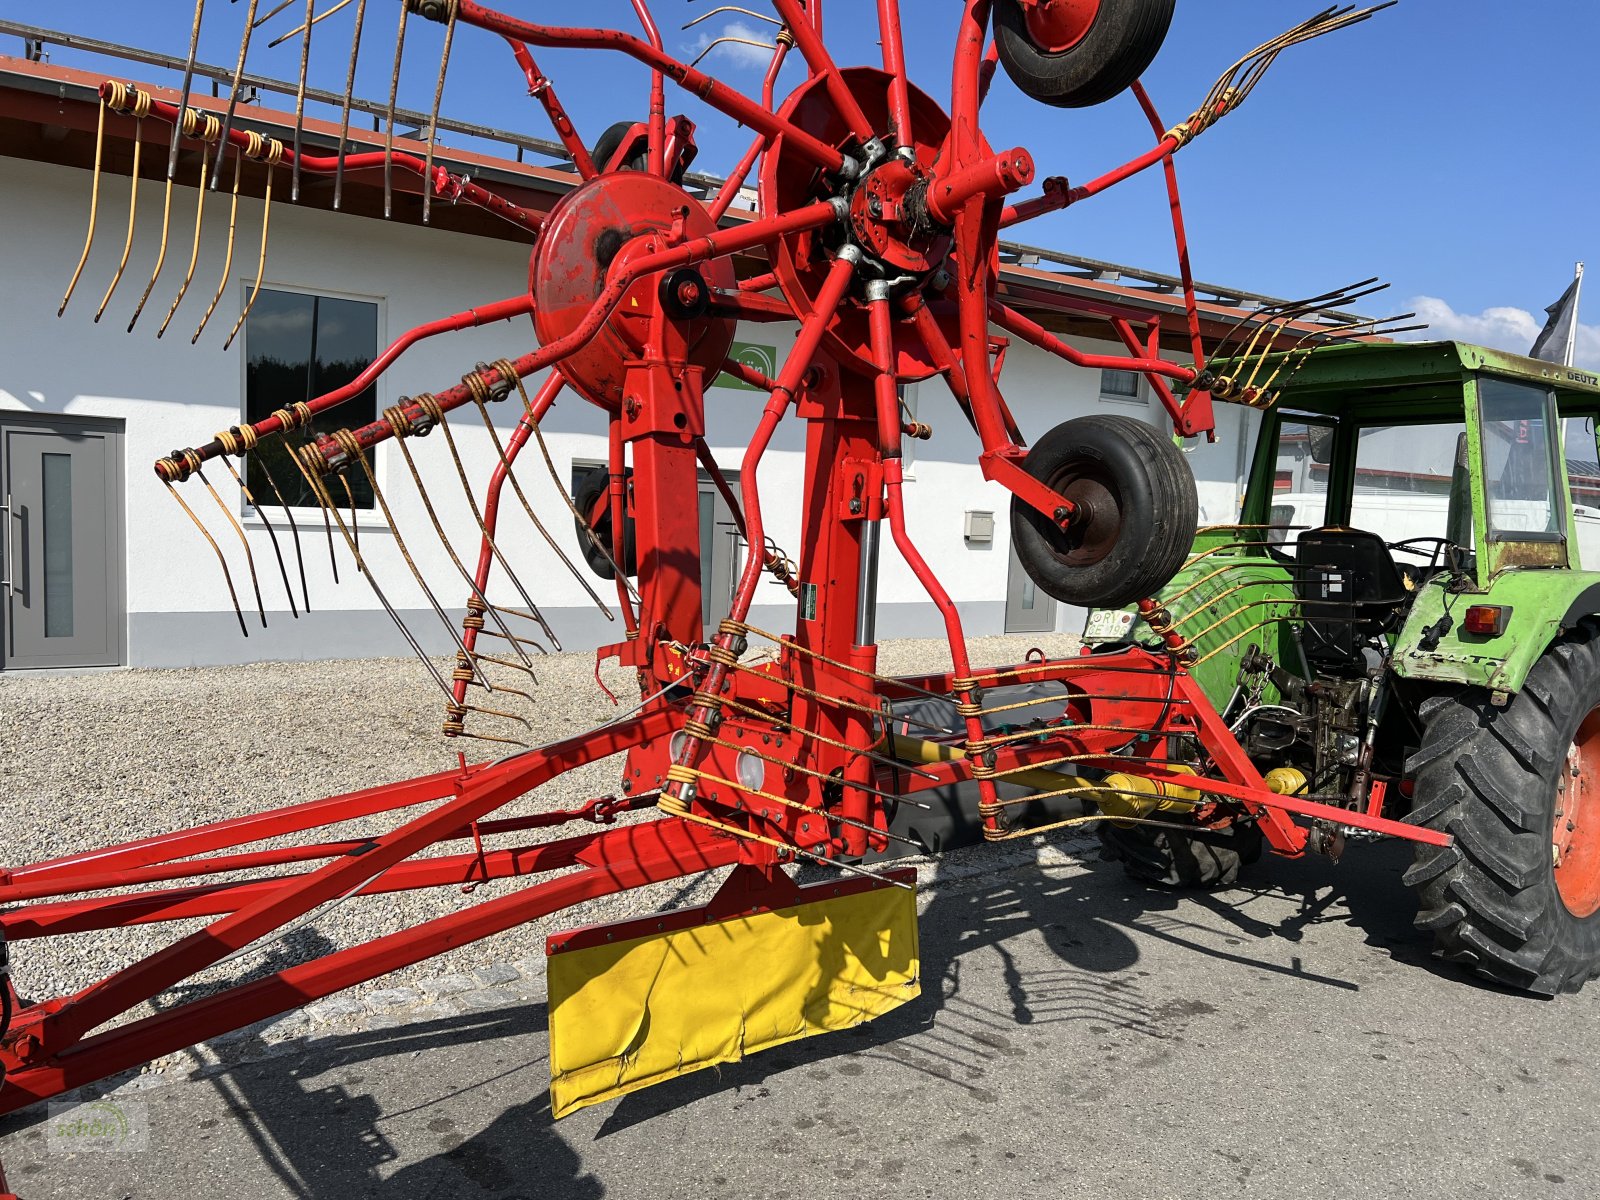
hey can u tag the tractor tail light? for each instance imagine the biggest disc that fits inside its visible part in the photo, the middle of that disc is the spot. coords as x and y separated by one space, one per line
1487 620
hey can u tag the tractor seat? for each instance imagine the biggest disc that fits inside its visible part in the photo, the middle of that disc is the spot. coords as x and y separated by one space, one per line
1350 589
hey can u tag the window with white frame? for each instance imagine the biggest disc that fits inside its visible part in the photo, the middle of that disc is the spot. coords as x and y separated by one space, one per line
297 346
1122 387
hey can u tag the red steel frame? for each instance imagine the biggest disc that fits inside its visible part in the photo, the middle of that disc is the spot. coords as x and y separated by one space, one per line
820 706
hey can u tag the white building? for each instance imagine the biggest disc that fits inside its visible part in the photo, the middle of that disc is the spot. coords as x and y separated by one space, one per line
103 567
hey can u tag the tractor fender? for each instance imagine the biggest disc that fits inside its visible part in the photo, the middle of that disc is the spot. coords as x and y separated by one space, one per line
1544 604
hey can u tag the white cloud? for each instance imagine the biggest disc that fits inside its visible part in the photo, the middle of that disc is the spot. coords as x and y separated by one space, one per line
736 54
1513 329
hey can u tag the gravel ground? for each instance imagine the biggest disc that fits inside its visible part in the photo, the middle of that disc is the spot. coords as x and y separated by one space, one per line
98 759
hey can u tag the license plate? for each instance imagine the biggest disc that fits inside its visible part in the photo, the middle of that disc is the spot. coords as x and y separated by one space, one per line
1108 625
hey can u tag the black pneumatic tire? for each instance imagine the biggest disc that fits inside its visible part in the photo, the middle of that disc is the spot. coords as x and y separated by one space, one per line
1210 858
592 499
1142 511
1489 776
1122 42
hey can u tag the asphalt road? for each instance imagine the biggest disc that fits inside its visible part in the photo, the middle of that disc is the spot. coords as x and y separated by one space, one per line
1077 1036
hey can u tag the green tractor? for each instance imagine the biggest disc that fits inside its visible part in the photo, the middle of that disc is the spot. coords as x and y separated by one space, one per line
1401 623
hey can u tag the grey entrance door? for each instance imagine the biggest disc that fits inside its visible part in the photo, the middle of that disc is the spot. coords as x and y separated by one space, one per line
1028 610
721 552
62 598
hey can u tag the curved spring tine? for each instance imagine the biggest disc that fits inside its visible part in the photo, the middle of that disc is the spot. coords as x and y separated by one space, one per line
516 486
494 547
316 20
161 258
349 92
433 120
300 104
360 456
294 532
227 575
183 92
250 24
261 263
249 558
325 499
350 499
94 209
227 261
394 95
444 540
283 569
133 219
194 254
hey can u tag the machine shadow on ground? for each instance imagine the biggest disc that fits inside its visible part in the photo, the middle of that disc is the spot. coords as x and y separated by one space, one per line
320 1133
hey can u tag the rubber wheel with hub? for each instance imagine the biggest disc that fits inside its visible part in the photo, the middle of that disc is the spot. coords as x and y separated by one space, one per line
1517 898
1136 519
1077 53
1177 858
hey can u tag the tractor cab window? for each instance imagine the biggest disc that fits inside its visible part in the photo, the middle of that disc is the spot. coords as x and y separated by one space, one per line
1300 486
1403 481
1519 461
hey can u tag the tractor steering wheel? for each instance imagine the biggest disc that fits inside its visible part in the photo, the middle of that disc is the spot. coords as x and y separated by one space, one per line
1433 556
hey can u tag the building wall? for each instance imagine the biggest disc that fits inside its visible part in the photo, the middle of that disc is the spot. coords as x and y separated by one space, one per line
171 394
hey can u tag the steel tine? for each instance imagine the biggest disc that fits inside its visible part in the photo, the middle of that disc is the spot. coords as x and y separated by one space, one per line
350 499
353 449
183 92
250 24
265 17
249 558
494 546
433 120
261 263
516 486
349 92
294 532
316 20
731 8
227 575
283 568
314 481
730 40
227 260
94 209
300 105
394 96
444 540
199 221
133 220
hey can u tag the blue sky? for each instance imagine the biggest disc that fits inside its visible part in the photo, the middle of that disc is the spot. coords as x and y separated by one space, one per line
1448 145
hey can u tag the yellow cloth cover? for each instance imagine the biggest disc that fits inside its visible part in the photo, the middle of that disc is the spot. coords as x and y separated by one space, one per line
636 1013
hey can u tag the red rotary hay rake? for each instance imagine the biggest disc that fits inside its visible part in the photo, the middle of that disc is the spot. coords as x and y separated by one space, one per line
879 218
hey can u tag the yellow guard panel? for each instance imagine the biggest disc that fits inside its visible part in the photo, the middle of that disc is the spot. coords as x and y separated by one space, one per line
627 1015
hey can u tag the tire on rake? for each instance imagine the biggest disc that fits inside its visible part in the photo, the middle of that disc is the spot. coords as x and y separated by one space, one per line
1139 512
1210 858
1095 50
1504 782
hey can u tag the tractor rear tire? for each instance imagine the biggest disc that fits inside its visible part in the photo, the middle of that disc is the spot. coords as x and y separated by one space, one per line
1121 40
1210 858
1517 898
1140 511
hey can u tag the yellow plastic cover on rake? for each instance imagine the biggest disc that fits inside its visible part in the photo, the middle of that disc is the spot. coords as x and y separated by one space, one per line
696 990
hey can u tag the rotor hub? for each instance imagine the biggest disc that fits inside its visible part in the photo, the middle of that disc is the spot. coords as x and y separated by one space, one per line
594 232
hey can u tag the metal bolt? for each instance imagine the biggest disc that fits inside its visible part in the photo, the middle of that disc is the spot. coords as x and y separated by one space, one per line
855 507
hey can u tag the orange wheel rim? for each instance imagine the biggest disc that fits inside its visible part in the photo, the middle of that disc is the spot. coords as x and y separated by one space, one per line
1575 833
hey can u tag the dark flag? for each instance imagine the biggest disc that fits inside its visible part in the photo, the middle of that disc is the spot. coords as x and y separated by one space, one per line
1555 343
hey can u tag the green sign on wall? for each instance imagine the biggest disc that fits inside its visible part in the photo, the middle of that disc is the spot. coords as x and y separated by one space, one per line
751 354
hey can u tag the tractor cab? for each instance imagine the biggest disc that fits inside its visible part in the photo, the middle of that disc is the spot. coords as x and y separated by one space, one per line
1388 482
